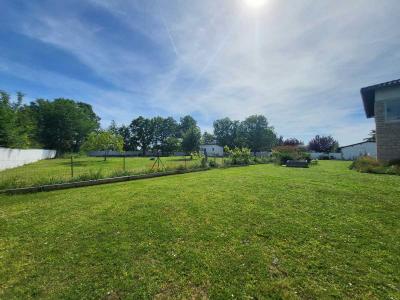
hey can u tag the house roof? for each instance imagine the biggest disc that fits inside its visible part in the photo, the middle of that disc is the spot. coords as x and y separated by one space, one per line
365 142
368 95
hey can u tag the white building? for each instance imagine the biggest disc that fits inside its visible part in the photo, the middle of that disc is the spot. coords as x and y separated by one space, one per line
354 151
212 150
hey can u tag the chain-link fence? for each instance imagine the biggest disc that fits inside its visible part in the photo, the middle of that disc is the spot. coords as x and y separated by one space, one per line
78 168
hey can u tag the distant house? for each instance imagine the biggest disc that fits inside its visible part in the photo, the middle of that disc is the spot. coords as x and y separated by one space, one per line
382 101
212 150
354 151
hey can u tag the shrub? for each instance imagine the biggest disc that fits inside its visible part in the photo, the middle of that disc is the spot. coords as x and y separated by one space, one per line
282 154
213 164
367 164
239 156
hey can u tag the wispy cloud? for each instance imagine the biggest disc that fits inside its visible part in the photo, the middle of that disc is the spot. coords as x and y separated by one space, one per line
300 63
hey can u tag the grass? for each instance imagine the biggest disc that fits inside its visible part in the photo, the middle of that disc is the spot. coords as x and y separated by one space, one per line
253 232
59 170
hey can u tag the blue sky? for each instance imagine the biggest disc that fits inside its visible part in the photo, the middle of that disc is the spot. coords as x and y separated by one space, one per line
300 63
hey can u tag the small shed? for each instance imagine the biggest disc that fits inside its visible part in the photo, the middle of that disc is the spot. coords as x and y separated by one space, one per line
212 150
354 151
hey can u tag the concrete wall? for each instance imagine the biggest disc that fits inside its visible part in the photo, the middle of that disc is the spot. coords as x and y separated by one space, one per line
11 158
387 133
355 151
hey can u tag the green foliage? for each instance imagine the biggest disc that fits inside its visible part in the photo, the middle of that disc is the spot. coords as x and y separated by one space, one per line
142 131
207 138
17 124
63 124
239 156
257 134
253 133
282 154
186 123
191 140
103 141
367 164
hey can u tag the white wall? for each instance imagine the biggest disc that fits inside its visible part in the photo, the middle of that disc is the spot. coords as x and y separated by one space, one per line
317 155
11 158
212 150
355 151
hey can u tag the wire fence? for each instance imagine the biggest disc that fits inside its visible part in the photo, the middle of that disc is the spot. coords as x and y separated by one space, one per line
78 168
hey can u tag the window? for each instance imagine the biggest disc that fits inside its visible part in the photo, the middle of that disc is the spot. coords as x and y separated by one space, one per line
392 110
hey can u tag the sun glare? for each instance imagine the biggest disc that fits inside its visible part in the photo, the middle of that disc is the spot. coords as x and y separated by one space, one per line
255 3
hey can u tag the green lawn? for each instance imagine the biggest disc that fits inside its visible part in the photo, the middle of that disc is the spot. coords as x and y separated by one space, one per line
252 232
59 170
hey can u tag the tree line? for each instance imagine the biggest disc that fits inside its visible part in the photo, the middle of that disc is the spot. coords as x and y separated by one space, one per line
70 126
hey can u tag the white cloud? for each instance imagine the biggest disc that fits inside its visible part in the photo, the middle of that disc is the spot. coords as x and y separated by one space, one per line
300 63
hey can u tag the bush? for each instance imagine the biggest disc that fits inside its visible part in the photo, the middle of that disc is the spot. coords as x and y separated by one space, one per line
239 156
367 164
282 154
213 164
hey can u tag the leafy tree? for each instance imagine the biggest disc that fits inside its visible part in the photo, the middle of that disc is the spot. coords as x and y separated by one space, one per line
63 124
186 123
8 135
163 129
17 125
103 141
292 142
171 144
207 138
229 133
323 144
257 134
191 140
223 131
142 130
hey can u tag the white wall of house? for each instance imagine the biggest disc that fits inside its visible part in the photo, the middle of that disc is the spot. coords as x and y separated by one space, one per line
354 151
11 158
212 150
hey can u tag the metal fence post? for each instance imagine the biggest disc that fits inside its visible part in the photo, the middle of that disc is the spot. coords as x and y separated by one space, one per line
72 167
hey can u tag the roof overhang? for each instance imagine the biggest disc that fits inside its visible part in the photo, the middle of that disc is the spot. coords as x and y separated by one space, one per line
368 96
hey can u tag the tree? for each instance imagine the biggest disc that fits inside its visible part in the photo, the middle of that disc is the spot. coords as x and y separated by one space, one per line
257 134
223 131
171 144
17 125
103 141
164 128
207 138
142 130
191 140
186 123
63 124
292 142
371 137
325 144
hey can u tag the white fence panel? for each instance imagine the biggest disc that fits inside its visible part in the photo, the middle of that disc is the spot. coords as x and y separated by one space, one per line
317 155
11 158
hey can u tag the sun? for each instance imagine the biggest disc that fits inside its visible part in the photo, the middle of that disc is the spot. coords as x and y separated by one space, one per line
255 3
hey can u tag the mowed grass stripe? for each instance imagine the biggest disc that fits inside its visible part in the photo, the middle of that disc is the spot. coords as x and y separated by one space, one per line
259 231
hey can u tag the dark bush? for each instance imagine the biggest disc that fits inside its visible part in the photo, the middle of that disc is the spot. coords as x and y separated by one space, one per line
282 154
